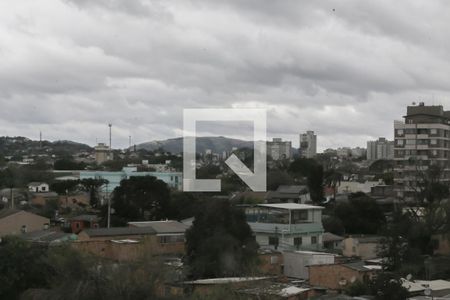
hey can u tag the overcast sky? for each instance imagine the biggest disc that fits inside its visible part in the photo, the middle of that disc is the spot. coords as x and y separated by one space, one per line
345 69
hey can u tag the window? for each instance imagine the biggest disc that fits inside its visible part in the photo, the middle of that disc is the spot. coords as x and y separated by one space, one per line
433 131
433 141
400 142
410 142
314 240
168 239
399 131
299 216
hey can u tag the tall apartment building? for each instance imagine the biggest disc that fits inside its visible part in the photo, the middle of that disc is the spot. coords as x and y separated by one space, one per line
380 149
279 149
423 139
308 144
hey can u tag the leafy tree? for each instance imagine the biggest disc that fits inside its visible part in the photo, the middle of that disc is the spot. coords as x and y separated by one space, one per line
333 179
313 171
276 178
220 243
358 288
381 166
387 286
387 177
68 164
208 172
22 266
63 186
141 198
92 186
333 224
431 213
361 215
183 205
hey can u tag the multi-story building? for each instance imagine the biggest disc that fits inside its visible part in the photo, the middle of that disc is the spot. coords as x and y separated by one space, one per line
343 152
422 140
380 149
279 149
308 144
172 179
286 226
102 153
361 152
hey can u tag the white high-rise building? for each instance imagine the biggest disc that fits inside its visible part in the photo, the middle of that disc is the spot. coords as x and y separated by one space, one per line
380 149
308 144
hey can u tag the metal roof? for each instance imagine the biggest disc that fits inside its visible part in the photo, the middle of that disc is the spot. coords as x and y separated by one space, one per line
162 226
291 206
119 231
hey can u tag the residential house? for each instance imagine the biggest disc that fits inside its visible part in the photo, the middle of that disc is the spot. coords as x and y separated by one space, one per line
289 226
48 237
296 262
347 187
271 262
362 246
289 194
332 241
339 276
38 187
81 222
170 234
126 243
13 221
204 287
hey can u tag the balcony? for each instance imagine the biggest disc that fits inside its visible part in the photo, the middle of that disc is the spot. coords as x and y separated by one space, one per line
303 228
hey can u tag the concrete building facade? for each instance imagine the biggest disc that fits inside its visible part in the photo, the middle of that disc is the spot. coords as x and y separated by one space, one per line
286 226
308 144
173 179
422 140
102 153
380 149
278 149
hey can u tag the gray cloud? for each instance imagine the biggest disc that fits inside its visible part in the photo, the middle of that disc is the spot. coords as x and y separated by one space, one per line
343 69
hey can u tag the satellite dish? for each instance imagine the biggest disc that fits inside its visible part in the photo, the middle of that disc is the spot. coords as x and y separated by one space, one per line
353 279
427 292
409 277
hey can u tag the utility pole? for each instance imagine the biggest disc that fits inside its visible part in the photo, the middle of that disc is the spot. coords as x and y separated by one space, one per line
109 207
12 197
110 145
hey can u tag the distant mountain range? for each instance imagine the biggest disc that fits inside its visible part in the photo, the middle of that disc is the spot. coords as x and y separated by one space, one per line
23 146
216 144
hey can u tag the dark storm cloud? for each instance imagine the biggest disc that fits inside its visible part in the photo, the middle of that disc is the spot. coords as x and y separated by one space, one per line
345 69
